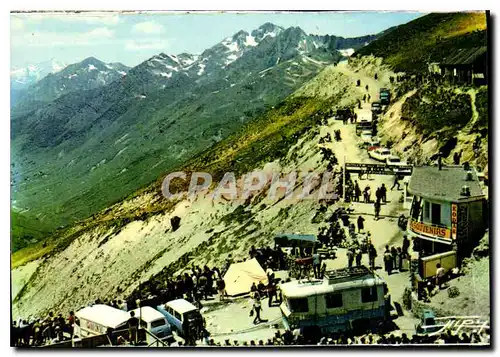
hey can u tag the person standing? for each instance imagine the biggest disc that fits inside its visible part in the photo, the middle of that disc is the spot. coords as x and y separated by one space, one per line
359 256
350 257
399 258
357 191
360 222
439 275
316 263
372 254
394 258
377 209
387 260
133 325
383 193
256 306
406 246
221 288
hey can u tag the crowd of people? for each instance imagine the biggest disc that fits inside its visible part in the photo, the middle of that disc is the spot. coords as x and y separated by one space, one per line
38 332
295 338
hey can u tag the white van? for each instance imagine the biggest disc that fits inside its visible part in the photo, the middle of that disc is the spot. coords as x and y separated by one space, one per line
155 322
96 319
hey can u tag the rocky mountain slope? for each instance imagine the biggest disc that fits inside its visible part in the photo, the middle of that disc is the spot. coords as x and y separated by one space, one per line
22 77
85 75
87 149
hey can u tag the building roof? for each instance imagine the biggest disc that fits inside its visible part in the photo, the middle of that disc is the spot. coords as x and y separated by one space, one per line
103 315
181 306
443 185
464 56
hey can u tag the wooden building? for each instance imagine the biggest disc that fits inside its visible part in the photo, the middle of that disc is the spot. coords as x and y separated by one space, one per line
464 66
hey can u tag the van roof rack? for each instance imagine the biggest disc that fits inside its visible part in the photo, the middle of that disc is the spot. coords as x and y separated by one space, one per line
347 273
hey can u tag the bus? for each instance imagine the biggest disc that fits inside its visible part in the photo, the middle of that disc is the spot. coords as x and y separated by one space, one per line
349 299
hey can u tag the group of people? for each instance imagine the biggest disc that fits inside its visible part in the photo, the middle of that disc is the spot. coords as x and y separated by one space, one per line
38 332
394 257
295 338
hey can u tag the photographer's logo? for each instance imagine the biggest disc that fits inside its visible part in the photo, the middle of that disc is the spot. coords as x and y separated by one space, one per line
293 185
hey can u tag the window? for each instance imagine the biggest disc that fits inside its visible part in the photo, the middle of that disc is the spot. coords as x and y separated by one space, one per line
299 305
144 324
369 294
177 315
426 211
436 213
157 323
333 300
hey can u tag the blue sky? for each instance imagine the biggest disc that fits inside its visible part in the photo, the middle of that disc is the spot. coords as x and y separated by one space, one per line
133 38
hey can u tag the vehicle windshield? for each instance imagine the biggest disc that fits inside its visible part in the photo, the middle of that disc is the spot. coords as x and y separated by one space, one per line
385 152
157 323
394 159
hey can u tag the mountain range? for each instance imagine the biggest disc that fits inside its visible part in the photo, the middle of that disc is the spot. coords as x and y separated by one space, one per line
92 133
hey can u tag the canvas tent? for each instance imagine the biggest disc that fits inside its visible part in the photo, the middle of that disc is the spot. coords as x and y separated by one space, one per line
240 276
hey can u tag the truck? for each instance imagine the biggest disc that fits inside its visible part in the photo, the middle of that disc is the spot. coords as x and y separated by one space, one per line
384 96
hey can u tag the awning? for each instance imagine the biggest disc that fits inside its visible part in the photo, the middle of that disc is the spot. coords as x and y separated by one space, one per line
298 240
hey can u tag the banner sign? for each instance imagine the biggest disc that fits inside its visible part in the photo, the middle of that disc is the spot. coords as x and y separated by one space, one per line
429 230
379 169
454 219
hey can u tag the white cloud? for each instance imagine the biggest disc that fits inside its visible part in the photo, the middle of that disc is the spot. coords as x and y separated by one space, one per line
60 39
141 45
149 27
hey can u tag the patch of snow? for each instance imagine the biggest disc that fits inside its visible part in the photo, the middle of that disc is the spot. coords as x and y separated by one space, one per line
250 41
346 52
108 66
122 73
231 59
270 34
123 170
217 91
232 85
121 151
164 74
91 67
202 69
232 46
121 139
174 58
72 75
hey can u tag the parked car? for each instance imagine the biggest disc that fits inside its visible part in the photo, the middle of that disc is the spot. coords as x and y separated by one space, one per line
376 107
428 323
398 165
380 154
394 160
366 138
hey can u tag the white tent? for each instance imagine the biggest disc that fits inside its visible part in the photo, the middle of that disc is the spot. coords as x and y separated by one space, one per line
240 276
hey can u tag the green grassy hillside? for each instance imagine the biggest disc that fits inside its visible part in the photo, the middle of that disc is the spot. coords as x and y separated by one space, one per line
411 46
